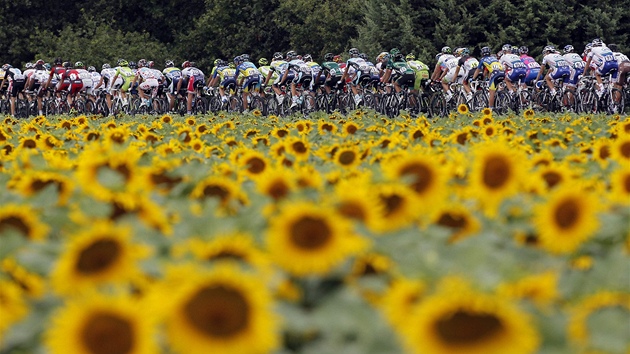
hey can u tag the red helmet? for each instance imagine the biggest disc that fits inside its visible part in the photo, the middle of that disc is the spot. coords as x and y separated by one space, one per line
186 64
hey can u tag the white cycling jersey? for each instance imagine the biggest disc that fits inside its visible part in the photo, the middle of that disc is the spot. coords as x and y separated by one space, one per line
512 61
555 60
575 60
600 56
620 57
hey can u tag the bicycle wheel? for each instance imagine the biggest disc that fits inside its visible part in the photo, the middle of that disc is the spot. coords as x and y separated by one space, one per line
437 105
616 101
568 101
200 106
522 101
272 105
257 103
502 102
235 105
21 108
368 100
308 104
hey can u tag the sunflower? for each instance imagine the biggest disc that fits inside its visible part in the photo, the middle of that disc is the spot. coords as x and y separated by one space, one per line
567 219
276 183
99 324
219 311
253 163
602 151
303 127
542 289
462 109
166 119
49 142
528 113
30 283
620 149
257 113
459 220
325 127
27 142
349 128
309 239
352 200
422 174
458 319
620 185
197 145
225 190
236 247
496 173
400 299
300 148
100 254
399 205
347 157
32 182
578 328
13 306
22 219
280 132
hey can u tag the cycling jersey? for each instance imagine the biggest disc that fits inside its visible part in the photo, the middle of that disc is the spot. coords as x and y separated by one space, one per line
515 69
193 77
264 71
421 71
250 75
331 68
533 68
558 65
358 69
280 67
620 57
450 66
604 60
227 76
492 65
302 72
577 64
468 65
402 74
127 75
76 83
16 81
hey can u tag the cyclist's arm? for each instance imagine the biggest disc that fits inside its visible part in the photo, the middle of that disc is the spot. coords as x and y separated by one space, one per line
588 65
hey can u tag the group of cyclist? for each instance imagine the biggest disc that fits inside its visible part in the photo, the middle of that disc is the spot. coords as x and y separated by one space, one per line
391 70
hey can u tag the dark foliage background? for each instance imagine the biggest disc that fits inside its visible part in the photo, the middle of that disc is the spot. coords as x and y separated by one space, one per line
102 31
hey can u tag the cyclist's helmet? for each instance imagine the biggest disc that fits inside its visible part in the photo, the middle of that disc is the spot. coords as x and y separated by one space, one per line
613 47
91 69
39 62
28 65
237 60
169 64
6 67
142 63
186 64
485 51
291 55
458 52
263 61
363 56
446 50
597 42
307 58
79 64
567 49
245 57
410 56
133 65
437 56
548 49
394 51
105 66
57 61
277 56
47 66
381 56
523 50
151 64
329 57
507 48
354 52
337 58
67 64
122 62
465 51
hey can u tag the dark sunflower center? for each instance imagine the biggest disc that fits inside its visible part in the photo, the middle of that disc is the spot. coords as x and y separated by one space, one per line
351 210
15 223
461 138
625 149
552 178
37 185
214 190
351 129
310 233
29 143
282 133
418 134
567 214
227 255
256 165
218 311
463 328
278 190
98 256
496 172
299 147
392 203
108 334
422 176
347 157
452 220
626 183
604 152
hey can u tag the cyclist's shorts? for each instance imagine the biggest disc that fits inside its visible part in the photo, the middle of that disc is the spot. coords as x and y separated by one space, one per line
406 79
517 74
495 78
575 76
303 79
609 67
332 82
532 74
75 87
125 86
227 82
562 71
16 87
251 83
290 78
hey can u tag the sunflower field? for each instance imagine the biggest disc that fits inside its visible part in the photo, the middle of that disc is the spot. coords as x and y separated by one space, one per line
333 234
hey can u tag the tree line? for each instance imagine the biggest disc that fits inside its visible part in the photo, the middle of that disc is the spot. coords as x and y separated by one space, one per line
102 31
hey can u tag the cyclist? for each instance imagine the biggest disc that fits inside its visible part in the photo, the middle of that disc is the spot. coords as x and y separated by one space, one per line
533 68
577 65
448 73
397 71
172 75
605 63
302 75
225 77
96 77
332 71
34 82
623 63
247 77
126 73
147 81
421 71
373 79
107 74
73 78
357 70
192 78
489 66
515 69
558 67
85 76
468 64
29 70
264 68
279 66
445 54
318 76
16 81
